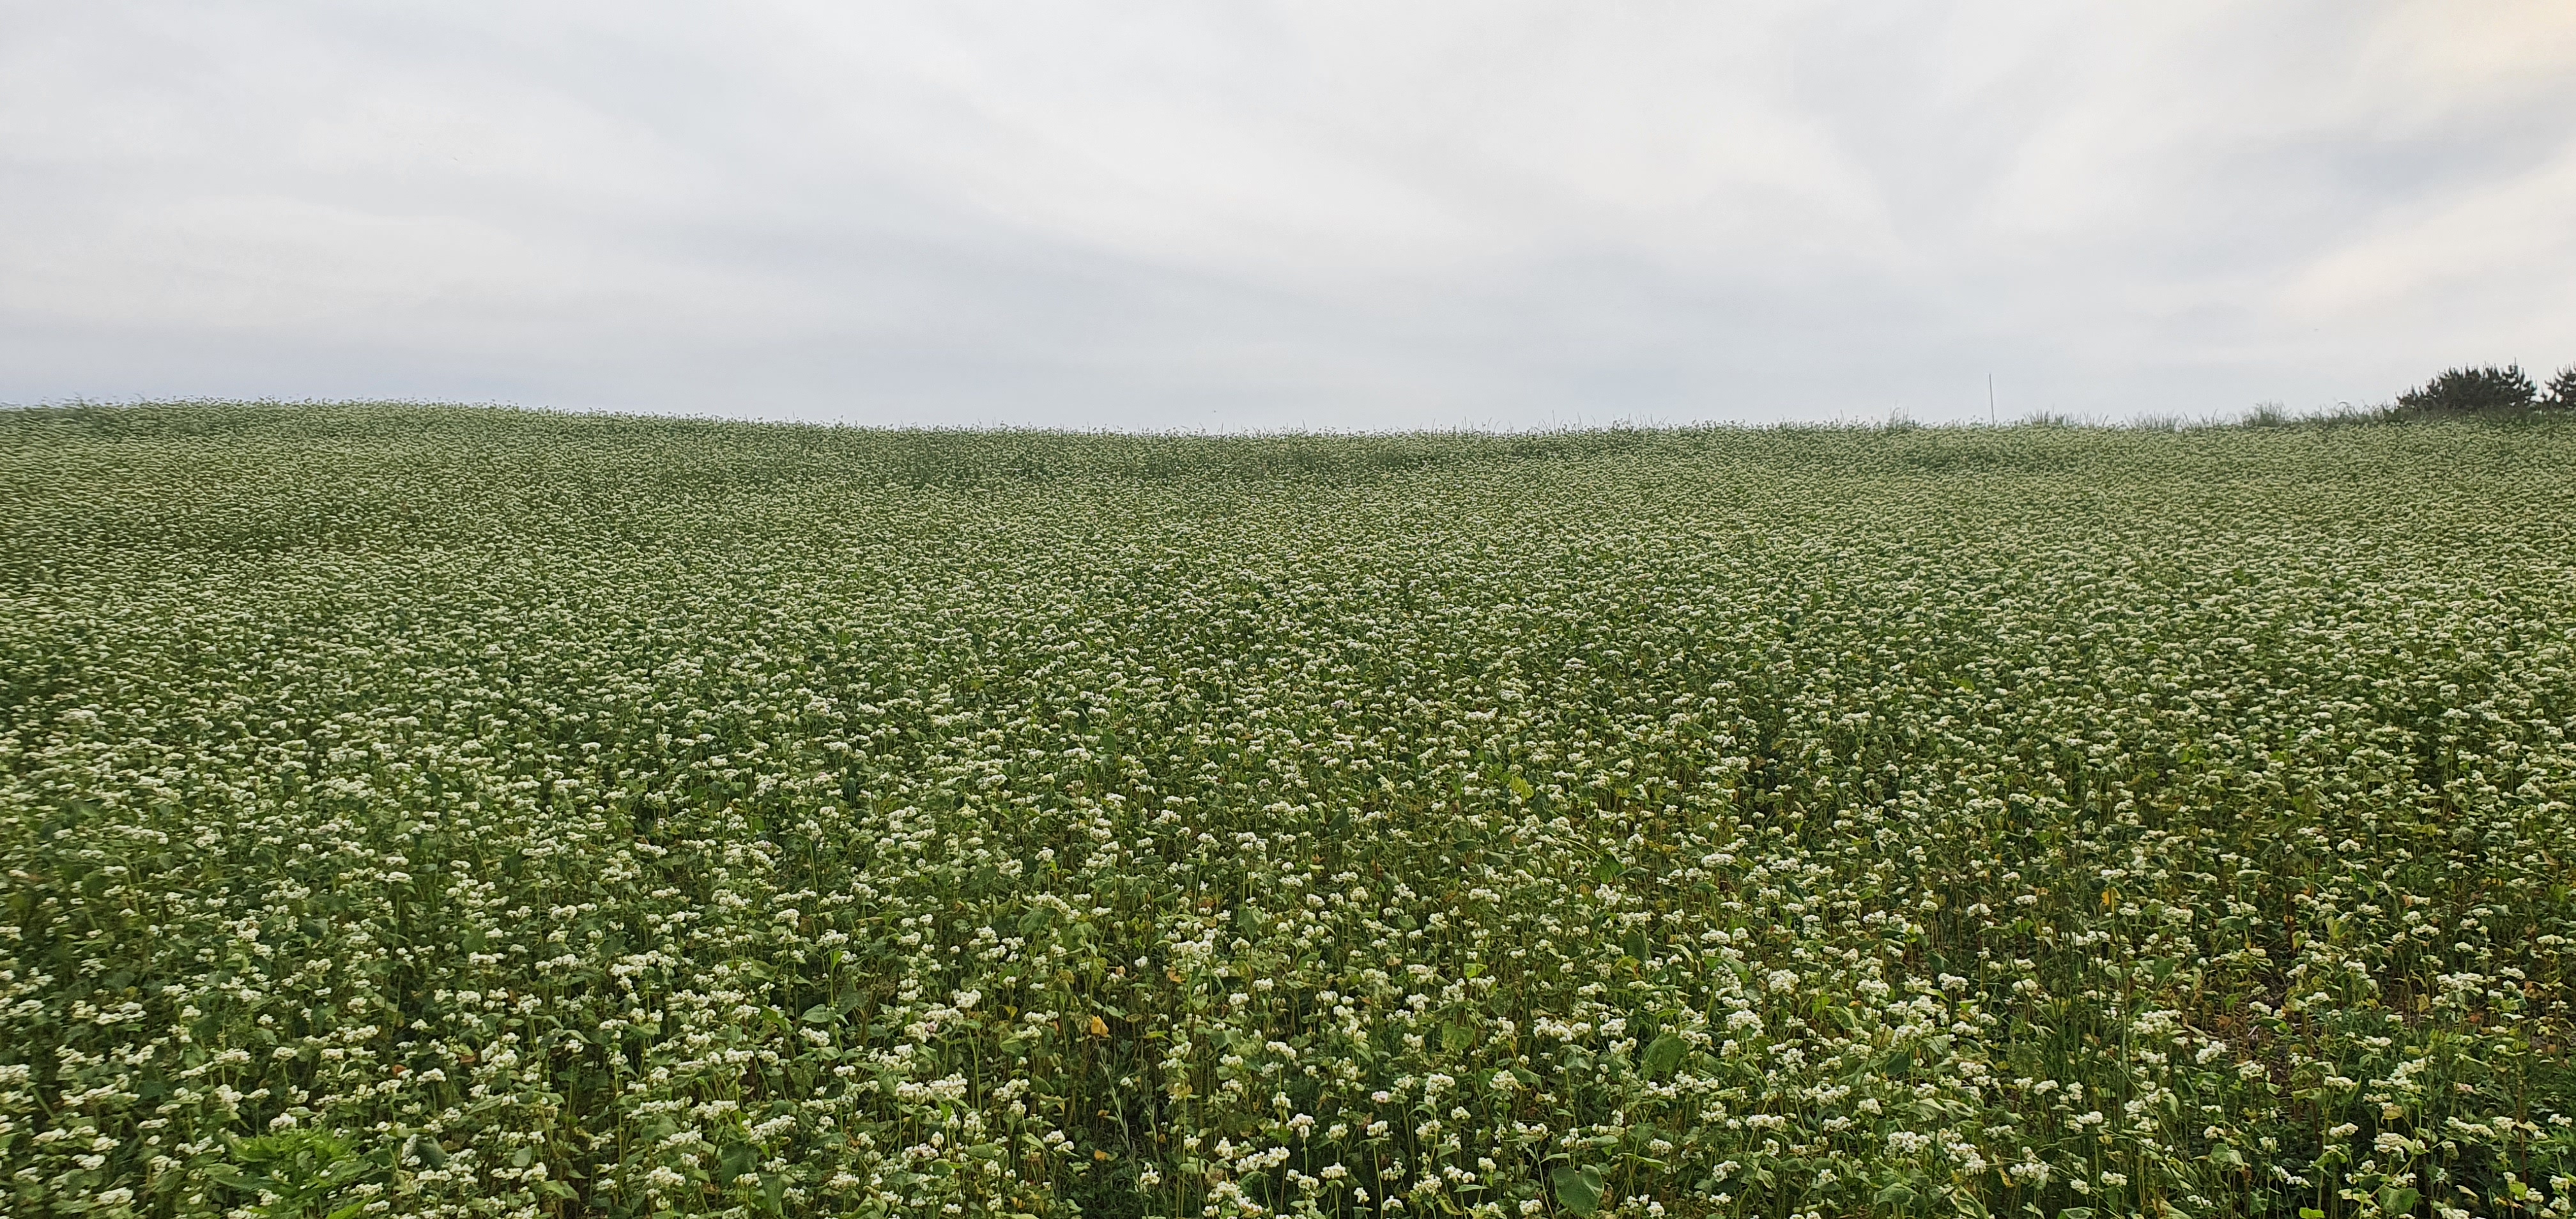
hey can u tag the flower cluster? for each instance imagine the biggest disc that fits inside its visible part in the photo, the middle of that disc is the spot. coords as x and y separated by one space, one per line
441 812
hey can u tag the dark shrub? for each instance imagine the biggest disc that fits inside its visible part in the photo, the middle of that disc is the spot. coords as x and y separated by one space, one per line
2467 391
2562 390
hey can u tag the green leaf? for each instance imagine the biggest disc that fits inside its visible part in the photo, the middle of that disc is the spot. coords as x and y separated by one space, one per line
1577 1189
1456 1037
1664 1055
1899 1194
346 1170
821 1013
427 1149
2076 1212
2398 1201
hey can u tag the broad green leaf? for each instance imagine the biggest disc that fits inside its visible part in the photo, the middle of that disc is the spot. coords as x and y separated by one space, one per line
1577 1189
1664 1054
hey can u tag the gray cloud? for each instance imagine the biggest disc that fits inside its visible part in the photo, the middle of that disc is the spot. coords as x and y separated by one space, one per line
1157 215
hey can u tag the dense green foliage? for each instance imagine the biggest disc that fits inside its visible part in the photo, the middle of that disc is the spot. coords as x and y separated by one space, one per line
463 812
2488 390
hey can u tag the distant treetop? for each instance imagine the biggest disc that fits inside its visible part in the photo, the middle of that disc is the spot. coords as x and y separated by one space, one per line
2489 390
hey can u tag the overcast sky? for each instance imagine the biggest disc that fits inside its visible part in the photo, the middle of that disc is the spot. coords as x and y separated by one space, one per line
1237 215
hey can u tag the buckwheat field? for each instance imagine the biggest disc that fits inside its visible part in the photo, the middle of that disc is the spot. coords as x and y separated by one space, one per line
455 812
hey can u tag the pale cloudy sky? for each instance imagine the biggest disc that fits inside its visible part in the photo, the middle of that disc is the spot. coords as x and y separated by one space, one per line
1324 215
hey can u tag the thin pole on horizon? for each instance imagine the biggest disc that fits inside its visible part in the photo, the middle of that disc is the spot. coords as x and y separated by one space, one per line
1990 399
